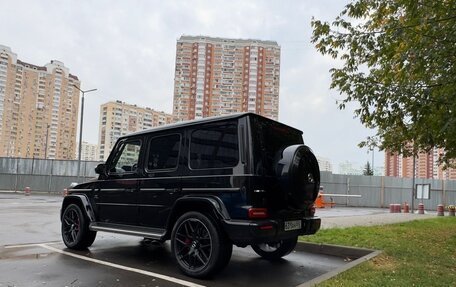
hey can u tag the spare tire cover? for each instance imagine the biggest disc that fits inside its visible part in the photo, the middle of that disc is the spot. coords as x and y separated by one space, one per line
299 176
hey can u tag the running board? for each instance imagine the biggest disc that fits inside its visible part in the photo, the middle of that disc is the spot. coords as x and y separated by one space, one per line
152 233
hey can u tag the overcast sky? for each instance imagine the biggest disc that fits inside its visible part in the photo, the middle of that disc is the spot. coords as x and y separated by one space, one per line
126 49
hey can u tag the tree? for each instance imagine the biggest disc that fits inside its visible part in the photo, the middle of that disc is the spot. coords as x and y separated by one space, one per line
398 63
367 169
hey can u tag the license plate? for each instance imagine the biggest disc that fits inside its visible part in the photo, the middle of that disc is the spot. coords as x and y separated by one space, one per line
293 225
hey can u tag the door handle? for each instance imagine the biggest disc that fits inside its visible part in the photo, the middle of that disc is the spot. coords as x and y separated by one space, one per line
172 190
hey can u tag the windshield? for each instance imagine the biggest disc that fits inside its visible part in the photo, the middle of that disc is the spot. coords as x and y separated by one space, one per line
269 138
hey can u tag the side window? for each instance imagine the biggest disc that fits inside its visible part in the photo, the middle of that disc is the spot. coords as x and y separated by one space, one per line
127 160
163 152
215 147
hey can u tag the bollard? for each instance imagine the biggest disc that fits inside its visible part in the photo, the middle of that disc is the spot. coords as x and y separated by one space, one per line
406 208
27 191
421 208
391 208
440 210
451 211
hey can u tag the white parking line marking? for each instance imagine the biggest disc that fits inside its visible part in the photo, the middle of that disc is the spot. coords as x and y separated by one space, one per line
29 244
118 266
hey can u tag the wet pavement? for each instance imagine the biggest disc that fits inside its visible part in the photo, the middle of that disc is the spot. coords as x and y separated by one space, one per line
342 217
127 262
29 219
31 254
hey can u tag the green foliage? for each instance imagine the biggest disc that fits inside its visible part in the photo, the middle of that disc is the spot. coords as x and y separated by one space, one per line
399 66
417 253
368 170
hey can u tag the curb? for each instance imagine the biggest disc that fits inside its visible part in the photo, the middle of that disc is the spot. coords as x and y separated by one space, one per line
11 192
359 255
35 193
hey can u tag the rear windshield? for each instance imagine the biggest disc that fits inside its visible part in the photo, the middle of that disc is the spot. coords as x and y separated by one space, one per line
269 139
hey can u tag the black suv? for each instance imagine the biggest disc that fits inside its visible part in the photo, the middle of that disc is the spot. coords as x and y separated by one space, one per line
206 184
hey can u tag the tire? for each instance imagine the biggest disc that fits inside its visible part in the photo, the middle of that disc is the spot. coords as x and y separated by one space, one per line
275 250
75 228
225 257
199 246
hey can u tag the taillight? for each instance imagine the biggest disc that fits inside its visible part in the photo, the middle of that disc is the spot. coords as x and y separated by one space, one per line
266 227
258 212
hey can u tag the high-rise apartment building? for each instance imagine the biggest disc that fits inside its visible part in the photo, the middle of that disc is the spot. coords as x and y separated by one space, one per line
393 165
216 76
324 164
426 166
350 168
89 151
449 173
38 109
118 119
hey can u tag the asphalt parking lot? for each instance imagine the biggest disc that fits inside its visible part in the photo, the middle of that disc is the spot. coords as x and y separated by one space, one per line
32 254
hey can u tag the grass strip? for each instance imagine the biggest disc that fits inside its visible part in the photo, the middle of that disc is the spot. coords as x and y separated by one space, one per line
415 253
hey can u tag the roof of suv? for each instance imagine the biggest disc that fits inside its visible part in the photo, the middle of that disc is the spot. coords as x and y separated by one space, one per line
201 121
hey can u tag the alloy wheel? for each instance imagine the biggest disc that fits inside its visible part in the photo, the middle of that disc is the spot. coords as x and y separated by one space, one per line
193 244
71 226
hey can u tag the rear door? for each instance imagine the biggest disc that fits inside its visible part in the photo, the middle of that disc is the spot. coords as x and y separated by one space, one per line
214 165
161 185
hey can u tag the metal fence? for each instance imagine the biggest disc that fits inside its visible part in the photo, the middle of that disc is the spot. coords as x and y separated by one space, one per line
42 174
376 191
381 191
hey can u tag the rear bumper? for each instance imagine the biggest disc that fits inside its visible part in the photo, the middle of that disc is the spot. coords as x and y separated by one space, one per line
246 232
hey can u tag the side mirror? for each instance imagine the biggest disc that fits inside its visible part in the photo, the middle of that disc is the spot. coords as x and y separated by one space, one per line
101 169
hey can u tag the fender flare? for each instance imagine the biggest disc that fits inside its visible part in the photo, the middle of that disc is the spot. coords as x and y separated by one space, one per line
212 202
84 204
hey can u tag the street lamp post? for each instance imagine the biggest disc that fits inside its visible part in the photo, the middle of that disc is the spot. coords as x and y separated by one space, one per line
46 145
80 127
413 181
372 149
373 168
